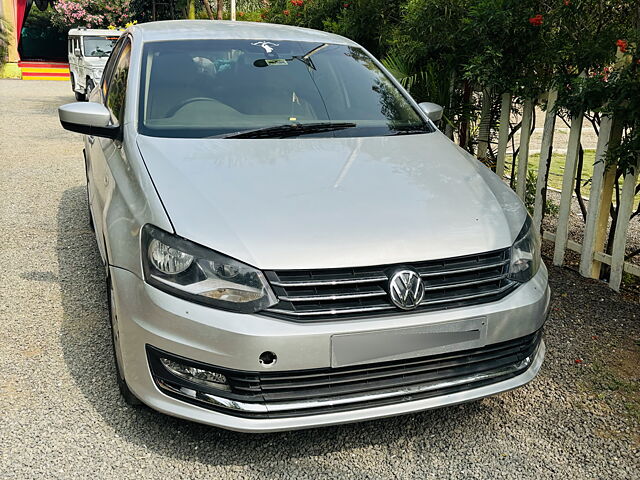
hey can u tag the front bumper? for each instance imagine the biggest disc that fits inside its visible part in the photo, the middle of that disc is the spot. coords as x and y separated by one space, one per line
147 316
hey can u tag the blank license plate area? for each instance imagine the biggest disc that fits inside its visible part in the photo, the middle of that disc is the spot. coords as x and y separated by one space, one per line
410 342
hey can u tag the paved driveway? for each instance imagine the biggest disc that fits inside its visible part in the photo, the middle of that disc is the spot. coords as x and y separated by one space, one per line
61 415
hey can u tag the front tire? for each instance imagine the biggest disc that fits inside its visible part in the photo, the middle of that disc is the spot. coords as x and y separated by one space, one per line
127 395
80 97
89 88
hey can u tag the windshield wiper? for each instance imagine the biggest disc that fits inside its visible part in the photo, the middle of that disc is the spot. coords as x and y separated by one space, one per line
291 130
410 130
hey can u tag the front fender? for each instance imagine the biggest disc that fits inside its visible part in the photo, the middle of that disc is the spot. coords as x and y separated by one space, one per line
131 202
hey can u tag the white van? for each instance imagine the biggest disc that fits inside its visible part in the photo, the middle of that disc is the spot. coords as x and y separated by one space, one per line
88 51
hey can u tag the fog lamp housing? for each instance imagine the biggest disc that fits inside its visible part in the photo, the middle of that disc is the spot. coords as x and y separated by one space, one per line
196 375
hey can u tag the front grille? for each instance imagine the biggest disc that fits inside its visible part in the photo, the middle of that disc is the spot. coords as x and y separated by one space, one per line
309 392
308 295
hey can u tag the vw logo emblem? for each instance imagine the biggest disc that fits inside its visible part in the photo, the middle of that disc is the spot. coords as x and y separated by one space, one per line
406 289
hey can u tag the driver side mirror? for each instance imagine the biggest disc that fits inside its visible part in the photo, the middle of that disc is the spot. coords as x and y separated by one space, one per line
433 110
77 52
89 118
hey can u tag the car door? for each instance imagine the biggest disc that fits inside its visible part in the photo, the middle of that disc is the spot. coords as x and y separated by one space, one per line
82 69
103 151
70 56
73 60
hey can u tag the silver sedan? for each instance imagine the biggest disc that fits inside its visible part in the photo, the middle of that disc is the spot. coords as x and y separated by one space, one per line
288 239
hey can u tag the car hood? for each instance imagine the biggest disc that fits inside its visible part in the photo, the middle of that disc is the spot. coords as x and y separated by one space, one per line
324 202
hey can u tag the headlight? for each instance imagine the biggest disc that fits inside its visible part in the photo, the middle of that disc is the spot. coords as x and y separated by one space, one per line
196 273
525 253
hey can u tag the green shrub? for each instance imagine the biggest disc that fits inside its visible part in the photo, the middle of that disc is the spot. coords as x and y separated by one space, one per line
550 207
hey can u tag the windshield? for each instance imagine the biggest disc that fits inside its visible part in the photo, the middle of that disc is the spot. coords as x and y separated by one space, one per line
98 46
204 88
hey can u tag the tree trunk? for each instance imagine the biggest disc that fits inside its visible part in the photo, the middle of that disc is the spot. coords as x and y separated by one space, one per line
220 9
485 125
544 189
448 129
207 7
463 141
583 208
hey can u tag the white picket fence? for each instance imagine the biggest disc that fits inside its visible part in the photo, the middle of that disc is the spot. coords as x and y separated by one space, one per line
591 250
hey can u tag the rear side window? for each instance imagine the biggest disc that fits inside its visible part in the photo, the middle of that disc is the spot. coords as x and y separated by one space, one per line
117 88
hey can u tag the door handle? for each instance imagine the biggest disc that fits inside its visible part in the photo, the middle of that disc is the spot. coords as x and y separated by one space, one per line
91 139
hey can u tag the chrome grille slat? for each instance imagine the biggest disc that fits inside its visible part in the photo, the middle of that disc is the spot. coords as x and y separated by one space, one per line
312 295
463 270
320 283
468 297
334 311
429 288
342 296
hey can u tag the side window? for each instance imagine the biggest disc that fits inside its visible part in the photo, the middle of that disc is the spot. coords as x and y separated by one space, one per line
108 68
117 87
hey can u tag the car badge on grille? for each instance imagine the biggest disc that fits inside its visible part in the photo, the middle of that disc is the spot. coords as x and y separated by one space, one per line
406 289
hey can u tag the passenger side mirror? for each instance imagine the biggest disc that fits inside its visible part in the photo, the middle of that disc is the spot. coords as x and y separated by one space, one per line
89 118
77 52
433 110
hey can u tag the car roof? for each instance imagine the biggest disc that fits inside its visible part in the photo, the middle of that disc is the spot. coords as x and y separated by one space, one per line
94 31
221 29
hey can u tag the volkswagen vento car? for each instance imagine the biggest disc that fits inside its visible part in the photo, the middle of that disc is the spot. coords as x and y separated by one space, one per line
288 239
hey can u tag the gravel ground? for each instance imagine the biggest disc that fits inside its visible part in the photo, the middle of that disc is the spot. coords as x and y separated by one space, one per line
63 418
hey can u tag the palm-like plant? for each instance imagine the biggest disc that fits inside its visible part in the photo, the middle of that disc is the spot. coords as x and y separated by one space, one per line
426 82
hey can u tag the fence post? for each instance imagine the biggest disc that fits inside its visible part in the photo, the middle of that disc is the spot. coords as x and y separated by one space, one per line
602 182
545 152
523 154
503 133
622 225
568 181
599 198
